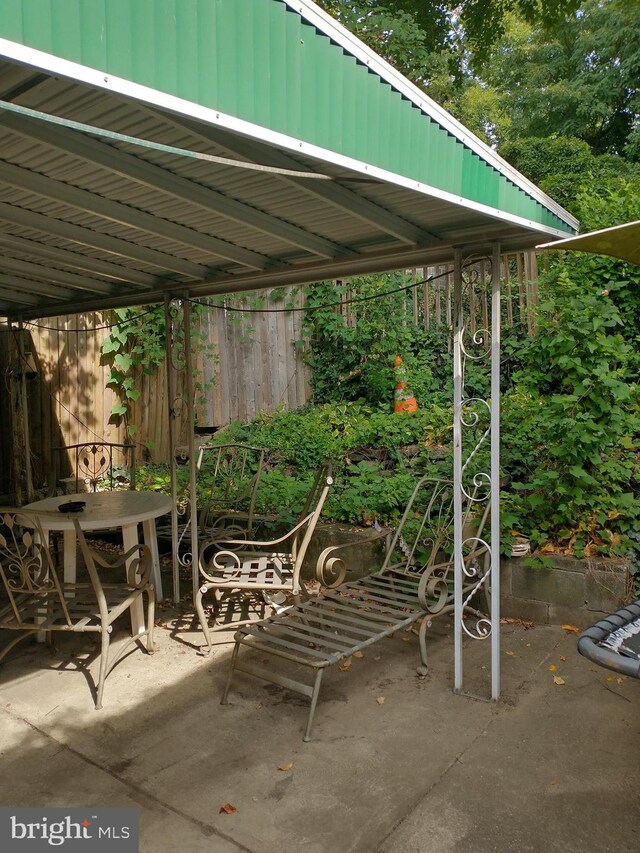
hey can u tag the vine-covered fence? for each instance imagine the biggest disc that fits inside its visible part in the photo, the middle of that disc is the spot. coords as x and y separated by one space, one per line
258 367
259 363
432 301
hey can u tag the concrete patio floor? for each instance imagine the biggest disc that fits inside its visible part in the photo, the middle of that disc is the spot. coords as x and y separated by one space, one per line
550 767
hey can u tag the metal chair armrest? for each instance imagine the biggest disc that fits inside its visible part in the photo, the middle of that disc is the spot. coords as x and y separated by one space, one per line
330 571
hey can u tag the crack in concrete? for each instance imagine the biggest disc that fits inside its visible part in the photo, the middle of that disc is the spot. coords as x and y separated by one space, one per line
205 828
457 759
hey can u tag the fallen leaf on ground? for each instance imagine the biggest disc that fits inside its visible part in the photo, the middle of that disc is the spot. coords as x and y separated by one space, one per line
380 700
227 808
511 620
619 680
562 657
609 678
558 680
511 654
286 766
358 654
571 628
406 639
346 665
552 667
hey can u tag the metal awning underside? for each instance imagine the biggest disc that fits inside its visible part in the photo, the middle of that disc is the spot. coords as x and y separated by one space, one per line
89 221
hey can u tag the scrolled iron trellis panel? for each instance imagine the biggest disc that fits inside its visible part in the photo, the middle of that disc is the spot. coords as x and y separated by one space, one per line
486 485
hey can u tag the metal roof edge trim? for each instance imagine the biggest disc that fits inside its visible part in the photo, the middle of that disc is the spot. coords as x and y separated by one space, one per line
99 79
318 18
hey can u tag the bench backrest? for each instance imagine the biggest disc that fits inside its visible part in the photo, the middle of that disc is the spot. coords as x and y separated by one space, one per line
424 536
27 571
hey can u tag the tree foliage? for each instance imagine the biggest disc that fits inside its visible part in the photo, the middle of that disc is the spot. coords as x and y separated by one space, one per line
576 78
516 68
438 24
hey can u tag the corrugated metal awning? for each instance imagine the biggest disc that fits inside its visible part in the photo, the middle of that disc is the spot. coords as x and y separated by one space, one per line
92 219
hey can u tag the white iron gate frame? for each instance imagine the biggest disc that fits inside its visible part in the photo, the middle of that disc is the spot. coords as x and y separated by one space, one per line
487 484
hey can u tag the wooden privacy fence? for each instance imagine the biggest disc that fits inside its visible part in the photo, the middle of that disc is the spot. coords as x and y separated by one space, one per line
431 289
258 364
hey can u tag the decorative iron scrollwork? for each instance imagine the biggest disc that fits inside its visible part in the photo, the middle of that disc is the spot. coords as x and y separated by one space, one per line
475 482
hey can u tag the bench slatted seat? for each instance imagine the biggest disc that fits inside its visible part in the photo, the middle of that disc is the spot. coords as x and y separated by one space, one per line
414 584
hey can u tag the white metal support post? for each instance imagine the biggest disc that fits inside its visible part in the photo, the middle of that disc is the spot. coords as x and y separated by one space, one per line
474 486
457 467
495 471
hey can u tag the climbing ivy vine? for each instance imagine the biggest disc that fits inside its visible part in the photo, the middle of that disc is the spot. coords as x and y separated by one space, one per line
135 345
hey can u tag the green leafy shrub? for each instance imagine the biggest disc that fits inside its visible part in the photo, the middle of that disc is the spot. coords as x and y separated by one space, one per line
366 493
571 428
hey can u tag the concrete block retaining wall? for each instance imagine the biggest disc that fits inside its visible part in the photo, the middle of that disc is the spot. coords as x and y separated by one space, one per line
573 591
578 592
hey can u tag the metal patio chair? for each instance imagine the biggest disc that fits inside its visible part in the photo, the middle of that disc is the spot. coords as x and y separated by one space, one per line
99 466
36 601
226 506
239 571
414 584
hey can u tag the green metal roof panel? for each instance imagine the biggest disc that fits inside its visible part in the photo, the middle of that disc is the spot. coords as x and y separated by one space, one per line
259 61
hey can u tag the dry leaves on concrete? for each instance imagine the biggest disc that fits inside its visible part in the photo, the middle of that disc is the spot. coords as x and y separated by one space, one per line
557 679
285 767
227 808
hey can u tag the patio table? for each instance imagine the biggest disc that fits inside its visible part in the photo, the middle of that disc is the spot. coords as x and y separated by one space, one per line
103 511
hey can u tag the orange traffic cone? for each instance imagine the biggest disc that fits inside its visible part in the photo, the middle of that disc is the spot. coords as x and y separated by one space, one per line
403 399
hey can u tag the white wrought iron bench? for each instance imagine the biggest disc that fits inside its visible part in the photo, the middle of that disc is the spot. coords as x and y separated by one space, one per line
415 584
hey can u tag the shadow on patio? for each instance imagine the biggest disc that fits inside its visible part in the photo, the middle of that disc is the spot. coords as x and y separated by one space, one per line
549 766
